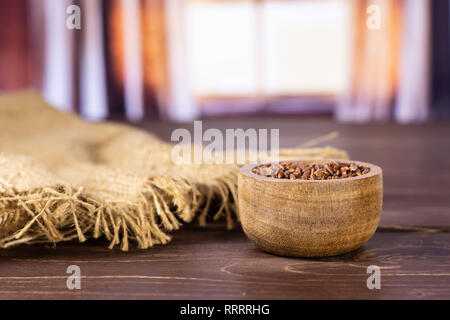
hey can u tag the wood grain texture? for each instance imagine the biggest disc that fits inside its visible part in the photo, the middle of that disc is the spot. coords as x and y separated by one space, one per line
415 158
212 263
310 218
216 264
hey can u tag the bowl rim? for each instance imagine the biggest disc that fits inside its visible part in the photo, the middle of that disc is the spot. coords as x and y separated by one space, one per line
247 171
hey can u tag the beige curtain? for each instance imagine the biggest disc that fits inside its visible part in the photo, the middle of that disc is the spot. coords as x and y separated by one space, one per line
389 74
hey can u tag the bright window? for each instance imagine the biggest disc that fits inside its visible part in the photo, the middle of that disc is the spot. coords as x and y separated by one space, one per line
267 48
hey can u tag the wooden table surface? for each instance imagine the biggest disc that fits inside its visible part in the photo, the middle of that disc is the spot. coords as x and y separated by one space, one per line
212 263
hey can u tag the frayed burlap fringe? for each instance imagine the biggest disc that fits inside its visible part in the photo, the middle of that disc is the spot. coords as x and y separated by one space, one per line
62 179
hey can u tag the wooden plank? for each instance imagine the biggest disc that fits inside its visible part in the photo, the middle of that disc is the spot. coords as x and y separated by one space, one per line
213 263
415 159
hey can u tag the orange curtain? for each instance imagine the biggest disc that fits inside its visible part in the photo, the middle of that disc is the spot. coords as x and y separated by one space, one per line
389 75
375 63
152 55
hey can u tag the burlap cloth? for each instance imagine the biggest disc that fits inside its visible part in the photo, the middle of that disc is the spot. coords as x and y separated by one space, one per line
63 178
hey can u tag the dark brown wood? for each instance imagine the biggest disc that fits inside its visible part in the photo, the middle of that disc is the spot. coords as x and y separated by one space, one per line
415 159
212 263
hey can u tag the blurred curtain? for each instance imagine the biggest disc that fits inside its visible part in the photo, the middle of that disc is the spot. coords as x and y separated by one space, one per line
19 65
390 75
115 66
441 58
120 57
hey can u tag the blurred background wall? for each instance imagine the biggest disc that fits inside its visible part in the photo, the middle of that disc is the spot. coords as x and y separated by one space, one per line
184 59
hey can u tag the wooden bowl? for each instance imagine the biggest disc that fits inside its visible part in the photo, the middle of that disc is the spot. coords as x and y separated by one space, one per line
303 218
